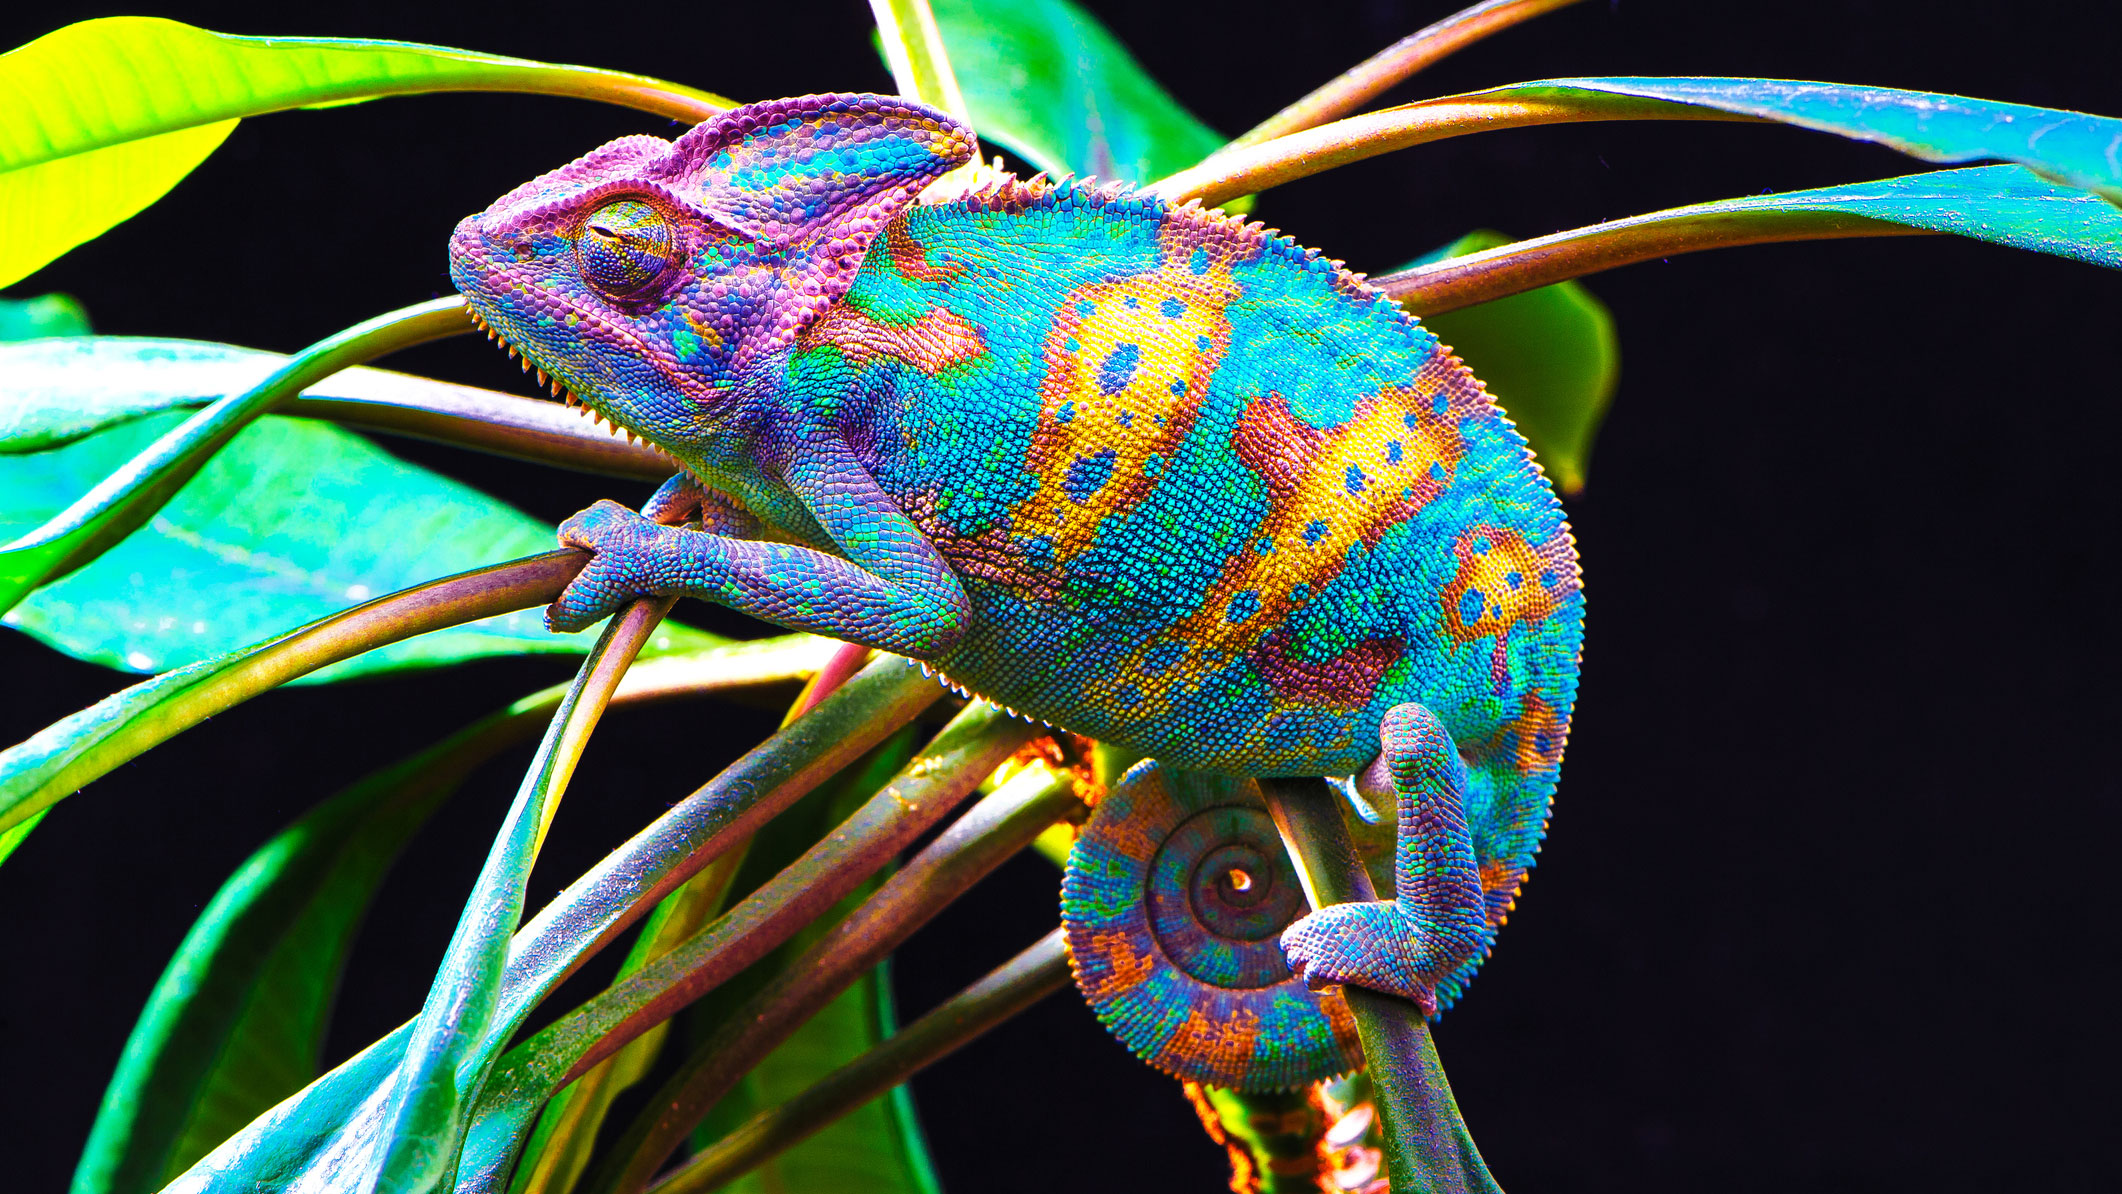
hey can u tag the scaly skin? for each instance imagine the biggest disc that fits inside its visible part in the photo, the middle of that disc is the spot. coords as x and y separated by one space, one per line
1148 473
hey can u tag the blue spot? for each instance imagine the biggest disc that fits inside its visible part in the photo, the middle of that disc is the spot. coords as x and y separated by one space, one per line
1152 468
1039 550
1172 308
1316 531
1203 343
1547 580
1125 418
1392 451
1160 658
1067 413
1133 303
1514 580
1119 368
1355 479
1265 547
1199 264
1481 546
1299 593
1243 606
1086 308
1470 603
1088 474
1072 344
1436 470
1438 404
1179 389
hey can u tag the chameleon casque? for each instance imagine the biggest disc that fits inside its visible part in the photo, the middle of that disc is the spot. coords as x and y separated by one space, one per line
1148 473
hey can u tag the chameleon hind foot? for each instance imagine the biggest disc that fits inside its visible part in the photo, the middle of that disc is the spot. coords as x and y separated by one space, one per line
1435 920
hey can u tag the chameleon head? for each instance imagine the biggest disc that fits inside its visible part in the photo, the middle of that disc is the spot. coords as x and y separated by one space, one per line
650 278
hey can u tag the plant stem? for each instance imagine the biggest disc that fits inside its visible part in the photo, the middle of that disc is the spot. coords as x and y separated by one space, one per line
1529 264
1285 159
913 47
1395 64
1017 984
1000 825
121 502
66 756
532 429
463 1026
1427 1147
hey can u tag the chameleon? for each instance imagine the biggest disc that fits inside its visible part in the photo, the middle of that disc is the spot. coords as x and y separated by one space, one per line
1147 472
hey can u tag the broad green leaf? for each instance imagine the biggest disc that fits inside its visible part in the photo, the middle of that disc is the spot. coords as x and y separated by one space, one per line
100 118
2075 148
293 521
1551 358
237 1022
53 206
12 837
1045 79
44 315
129 496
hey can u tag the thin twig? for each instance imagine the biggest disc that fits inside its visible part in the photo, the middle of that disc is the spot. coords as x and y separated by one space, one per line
1427 1147
1395 64
1017 984
1000 825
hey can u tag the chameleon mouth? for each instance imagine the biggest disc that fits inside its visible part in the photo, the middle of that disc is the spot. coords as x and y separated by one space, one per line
545 381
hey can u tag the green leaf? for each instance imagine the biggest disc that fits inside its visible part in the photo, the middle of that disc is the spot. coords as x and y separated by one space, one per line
237 1022
2075 148
1550 357
101 118
45 315
1045 79
293 521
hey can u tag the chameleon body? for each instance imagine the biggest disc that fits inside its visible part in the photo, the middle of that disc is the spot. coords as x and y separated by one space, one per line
1148 473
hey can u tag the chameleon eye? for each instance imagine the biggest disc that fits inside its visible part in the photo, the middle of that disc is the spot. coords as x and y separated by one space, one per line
624 247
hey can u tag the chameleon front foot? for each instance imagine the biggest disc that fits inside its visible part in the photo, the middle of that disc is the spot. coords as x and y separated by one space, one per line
625 550
1436 919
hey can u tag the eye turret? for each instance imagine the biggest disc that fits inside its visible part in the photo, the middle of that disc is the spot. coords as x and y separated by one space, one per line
624 247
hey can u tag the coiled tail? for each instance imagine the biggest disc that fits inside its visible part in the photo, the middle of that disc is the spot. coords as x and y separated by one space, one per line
1174 901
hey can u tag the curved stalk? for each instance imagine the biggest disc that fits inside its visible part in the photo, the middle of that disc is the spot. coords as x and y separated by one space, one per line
499 424
1427 1147
1395 64
1529 264
1003 823
127 498
1256 168
943 775
1017 984
66 756
463 1026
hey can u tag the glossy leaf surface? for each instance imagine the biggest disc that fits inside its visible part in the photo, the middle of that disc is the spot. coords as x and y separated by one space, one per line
293 521
100 118
1046 80
236 1023
2075 148
1551 357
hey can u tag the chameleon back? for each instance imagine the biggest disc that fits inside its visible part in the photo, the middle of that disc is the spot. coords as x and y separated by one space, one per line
1211 496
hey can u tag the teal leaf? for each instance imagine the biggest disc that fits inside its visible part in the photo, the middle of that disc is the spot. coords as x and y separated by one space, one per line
2074 148
1046 80
293 521
236 1023
1550 357
44 315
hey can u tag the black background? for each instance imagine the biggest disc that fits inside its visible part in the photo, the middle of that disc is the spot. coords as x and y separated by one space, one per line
1825 903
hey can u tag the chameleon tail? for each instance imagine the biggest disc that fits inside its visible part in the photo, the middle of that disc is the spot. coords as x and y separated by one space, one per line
1174 899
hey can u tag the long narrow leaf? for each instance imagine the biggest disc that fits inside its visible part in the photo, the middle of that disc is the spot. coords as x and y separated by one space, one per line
2006 205
2074 148
44 315
293 521
57 389
100 118
130 496
2068 145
